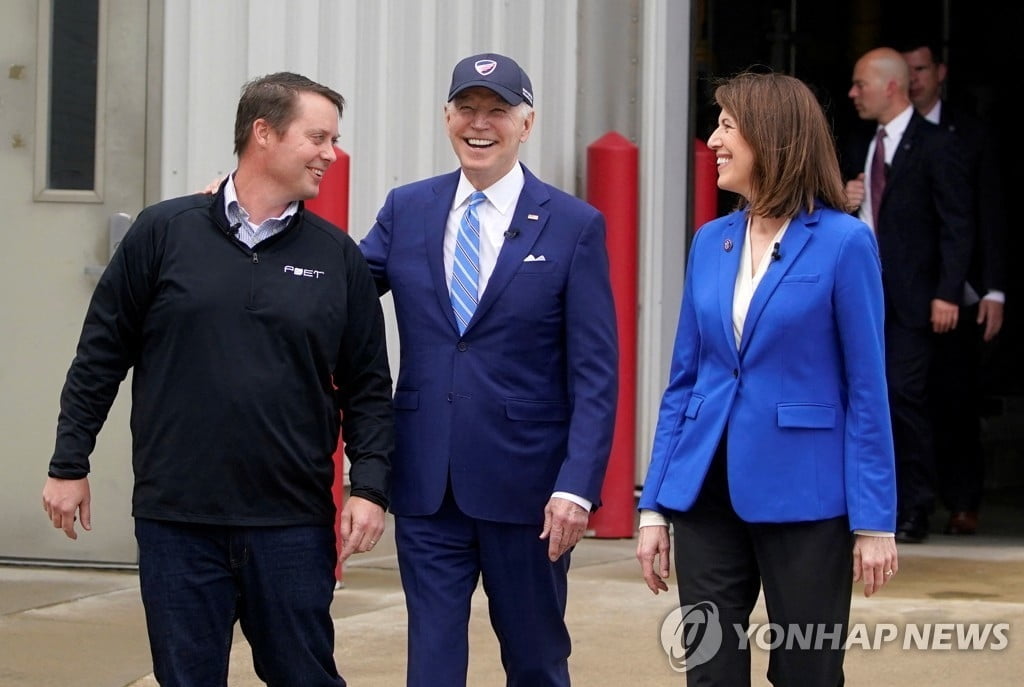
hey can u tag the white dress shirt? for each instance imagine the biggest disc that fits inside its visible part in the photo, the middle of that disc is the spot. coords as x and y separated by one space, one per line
893 135
495 217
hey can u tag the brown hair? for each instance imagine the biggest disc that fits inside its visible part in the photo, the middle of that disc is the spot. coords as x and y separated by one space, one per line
272 98
795 163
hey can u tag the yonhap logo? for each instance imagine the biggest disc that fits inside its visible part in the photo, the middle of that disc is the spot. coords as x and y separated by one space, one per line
303 272
691 635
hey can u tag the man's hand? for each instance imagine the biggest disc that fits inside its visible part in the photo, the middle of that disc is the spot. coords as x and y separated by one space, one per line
855 192
362 524
944 315
212 187
64 500
654 549
565 523
990 314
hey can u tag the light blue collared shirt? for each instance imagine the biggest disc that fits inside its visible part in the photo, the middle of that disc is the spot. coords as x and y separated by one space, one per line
248 233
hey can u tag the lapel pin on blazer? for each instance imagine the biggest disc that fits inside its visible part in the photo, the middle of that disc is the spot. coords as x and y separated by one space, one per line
531 216
727 245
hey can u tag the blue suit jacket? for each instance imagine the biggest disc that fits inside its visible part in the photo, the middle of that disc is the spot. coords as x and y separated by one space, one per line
803 399
523 403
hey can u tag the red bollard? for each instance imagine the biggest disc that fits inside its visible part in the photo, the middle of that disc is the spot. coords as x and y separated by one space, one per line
613 188
331 203
705 184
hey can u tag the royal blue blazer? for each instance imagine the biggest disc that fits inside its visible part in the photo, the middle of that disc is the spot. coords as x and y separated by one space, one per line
523 403
802 402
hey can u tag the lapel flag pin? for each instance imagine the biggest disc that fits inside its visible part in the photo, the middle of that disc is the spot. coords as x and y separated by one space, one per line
533 217
727 245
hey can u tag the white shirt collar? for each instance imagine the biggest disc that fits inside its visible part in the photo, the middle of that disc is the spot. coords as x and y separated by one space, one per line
934 115
898 124
502 194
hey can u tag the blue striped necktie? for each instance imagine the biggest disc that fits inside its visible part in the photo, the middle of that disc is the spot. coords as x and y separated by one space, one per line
466 265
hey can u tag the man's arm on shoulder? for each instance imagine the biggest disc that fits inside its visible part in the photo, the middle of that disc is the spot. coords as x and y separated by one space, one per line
376 245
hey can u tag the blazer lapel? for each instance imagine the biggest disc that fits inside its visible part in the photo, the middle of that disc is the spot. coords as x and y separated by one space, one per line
728 267
528 221
434 218
793 242
903 151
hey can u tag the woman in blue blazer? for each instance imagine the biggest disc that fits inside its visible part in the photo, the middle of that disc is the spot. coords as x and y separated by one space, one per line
773 457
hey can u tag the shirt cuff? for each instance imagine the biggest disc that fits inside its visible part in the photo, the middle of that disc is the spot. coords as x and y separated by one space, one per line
652 518
578 500
997 296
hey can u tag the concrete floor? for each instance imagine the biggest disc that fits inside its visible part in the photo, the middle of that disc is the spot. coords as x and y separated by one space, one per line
86 627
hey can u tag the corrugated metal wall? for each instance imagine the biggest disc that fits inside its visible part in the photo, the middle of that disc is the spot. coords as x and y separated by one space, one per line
596 66
392 61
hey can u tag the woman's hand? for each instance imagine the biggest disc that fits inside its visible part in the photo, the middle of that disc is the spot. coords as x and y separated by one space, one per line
875 561
653 551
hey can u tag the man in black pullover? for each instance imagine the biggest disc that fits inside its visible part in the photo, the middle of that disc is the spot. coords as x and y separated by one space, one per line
255 335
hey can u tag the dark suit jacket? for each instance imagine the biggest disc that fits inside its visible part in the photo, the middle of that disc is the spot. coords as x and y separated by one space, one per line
988 259
523 403
926 226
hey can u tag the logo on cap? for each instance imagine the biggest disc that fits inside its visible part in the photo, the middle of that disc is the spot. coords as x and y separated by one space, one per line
485 67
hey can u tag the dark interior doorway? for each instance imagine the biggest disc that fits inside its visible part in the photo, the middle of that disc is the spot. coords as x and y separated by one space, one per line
819 42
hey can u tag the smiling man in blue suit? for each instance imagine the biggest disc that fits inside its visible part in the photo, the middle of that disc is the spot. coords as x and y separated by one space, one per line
505 401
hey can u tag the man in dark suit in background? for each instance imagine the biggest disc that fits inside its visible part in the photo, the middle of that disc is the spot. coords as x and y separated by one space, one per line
919 205
955 393
505 401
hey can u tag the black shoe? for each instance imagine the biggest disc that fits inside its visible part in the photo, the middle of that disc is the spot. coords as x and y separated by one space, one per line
912 528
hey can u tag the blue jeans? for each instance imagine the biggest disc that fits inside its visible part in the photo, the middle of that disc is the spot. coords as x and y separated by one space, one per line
278 582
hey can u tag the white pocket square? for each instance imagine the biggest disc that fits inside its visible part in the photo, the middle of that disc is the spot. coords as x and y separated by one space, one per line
534 258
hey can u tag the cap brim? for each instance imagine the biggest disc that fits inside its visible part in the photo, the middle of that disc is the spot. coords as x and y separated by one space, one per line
510 97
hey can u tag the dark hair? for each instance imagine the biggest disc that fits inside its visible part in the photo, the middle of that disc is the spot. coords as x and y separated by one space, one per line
911 43
795 163
272 98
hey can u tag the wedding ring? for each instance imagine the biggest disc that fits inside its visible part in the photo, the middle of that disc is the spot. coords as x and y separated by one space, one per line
888 573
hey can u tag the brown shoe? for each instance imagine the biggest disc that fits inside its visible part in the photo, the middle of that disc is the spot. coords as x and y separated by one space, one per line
962 522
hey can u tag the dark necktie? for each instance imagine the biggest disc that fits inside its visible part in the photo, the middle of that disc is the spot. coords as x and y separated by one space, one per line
877 175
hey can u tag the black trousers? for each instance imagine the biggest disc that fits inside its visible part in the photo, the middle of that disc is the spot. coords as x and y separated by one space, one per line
955 399
806 570
908 360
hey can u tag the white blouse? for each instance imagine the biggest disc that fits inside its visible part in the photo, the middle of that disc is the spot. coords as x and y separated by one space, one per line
747 279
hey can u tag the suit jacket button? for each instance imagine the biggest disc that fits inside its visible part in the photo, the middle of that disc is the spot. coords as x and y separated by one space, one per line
463 346
735 373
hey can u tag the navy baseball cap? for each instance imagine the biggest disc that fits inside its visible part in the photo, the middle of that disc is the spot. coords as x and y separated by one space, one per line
499 73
